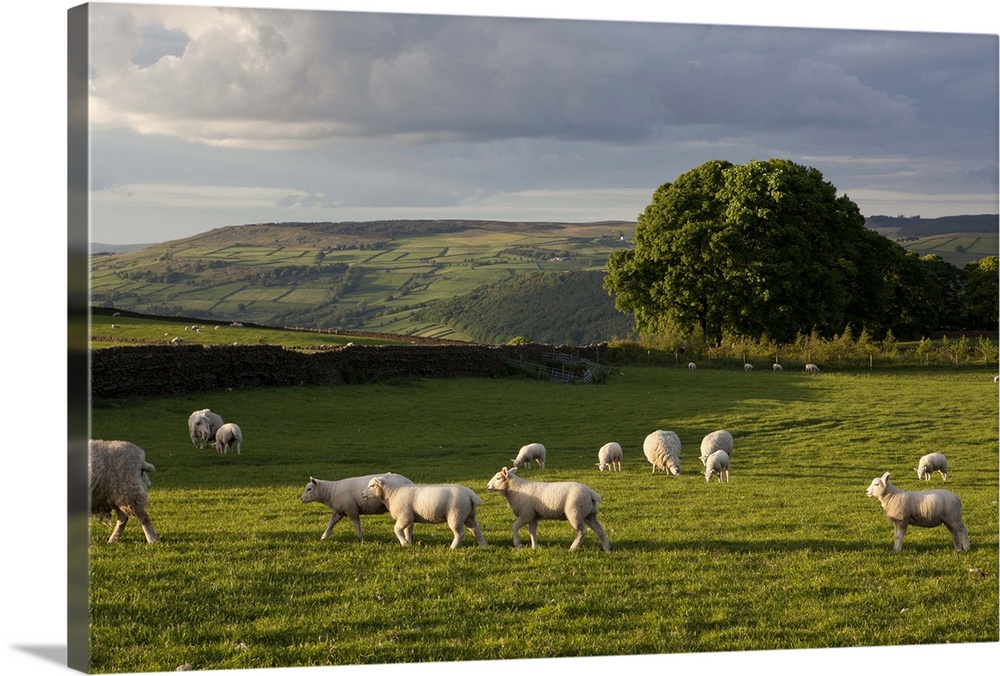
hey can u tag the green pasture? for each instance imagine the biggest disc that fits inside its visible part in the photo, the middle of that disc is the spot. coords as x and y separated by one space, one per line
789 554
107 331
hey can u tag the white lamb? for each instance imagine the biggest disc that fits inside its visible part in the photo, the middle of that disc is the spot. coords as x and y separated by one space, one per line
119 483
562 500
428 503
529 453
344 498
662 449
719 440
920 508
228 436
202 426
609 456
748 367
717 463
692 366
812 368
777 368
930 463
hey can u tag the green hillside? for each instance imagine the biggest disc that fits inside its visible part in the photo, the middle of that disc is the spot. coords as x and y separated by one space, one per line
373 276
546 307
957 239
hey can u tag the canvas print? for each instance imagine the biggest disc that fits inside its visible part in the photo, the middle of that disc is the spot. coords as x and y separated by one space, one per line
424 338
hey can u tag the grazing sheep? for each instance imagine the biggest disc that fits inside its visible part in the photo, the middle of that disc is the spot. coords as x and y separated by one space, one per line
662 449
227 436
930 463
563 500
777 368
344 498
719 440
717 463
116 326
748 367
812 368
176 340
428 503
202 426
528 453
920 508
692 366
119 483
996 379
610 456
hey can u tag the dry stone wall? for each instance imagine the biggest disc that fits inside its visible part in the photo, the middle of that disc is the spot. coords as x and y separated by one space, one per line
151 370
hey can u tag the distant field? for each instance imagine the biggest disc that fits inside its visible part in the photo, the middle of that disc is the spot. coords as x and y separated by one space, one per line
225 272
790 554
956 248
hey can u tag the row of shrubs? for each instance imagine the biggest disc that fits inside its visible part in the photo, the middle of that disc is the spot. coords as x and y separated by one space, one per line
842 350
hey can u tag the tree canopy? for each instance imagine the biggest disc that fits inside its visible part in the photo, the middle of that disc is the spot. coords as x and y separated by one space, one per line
769 248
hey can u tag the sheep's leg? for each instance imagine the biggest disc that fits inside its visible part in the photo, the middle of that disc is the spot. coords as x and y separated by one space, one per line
147 526
519 523
899 530
532 530
596 526
944 475
476 530
459 530
356 522
404 535
122 519
329 527
239 447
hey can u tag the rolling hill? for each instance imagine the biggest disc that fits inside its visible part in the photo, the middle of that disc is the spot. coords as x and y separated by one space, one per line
374 276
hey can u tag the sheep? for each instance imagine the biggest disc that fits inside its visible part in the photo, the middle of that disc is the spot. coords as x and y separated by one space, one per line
344 498
719 440
202 426
692 366
228 435
528 453
428 503
610 456
717 463
930 463
563 500
920 508
176 340
996 379
812 368
748 367
662 449
777 368
119 483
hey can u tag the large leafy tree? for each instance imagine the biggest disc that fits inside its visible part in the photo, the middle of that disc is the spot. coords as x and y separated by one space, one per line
763 248
979 302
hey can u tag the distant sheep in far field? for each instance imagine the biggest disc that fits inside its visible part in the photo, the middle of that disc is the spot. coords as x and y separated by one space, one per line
119 483
662 449
202 426
719 440
930 463
176 340
528 453
228 436
692 366
777 368
609 456
812 368
748 367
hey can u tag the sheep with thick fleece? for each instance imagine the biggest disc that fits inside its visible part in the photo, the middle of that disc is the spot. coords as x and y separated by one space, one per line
528 453
453 504
719 440
717 463
920 508
344 498
609 456
228 436
930 463
562 500
119 483
662 449
202 426
812 368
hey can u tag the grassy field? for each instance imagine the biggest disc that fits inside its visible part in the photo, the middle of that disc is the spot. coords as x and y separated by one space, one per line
789 554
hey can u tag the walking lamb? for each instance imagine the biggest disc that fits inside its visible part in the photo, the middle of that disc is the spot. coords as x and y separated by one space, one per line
920 508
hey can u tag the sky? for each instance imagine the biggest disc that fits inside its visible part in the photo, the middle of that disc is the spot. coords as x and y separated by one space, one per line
203 117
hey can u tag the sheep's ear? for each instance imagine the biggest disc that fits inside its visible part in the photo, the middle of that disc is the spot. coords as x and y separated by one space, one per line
885 477
504 471
312 480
